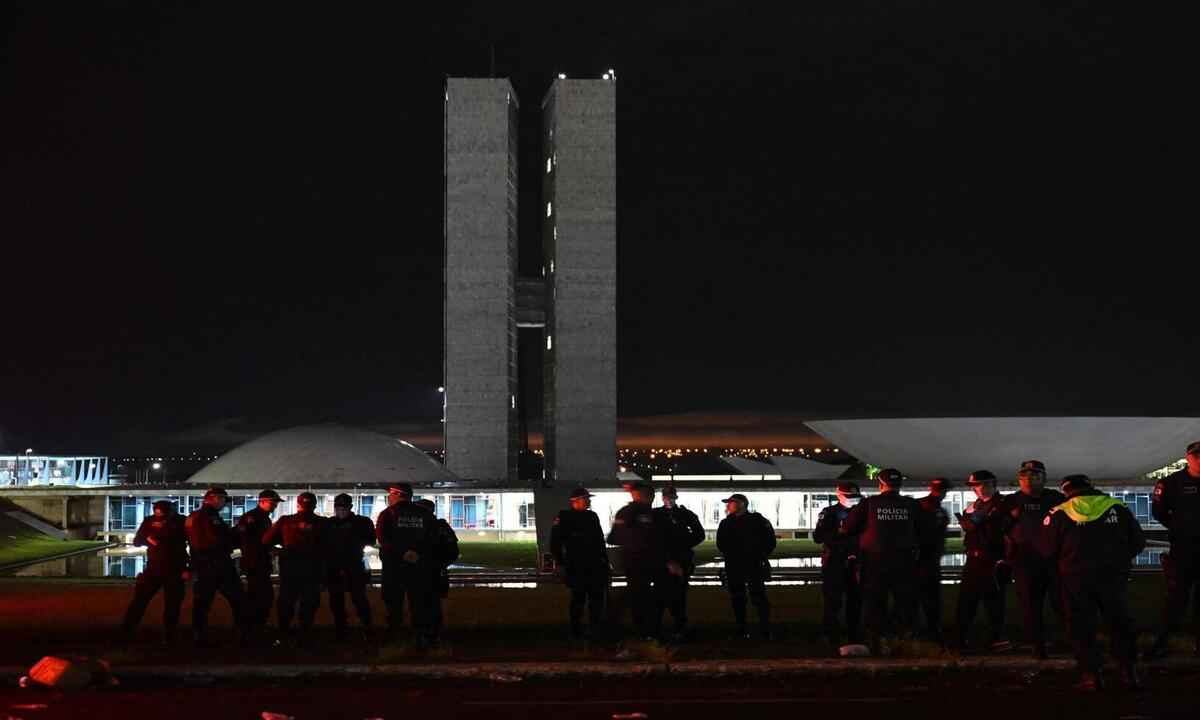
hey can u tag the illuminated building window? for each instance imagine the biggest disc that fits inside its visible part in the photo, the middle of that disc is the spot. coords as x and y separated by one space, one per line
549 165
549 342
549 209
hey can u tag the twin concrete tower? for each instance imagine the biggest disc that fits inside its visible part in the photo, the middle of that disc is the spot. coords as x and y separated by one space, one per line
573 301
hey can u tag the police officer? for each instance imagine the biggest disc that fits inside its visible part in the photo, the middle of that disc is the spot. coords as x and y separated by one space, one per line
684 532
643 541
301 563
929 569
445 552
1025 551
211 542
984 575
1094 539
256 559
164 535
346 534
577 544
839 563
1176 506
891 529
406 533
746 539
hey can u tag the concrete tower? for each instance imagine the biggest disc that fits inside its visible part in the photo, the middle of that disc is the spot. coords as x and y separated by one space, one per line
480 279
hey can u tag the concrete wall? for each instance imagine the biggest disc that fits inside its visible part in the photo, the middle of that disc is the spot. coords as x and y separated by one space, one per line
581 264
82 516
480 279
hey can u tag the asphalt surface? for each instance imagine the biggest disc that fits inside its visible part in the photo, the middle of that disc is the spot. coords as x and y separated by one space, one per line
1004 694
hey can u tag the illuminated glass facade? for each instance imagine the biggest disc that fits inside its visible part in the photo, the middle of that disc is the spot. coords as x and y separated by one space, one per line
44 470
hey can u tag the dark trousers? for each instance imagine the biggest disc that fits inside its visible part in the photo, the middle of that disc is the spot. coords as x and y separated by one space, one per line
144 590
352 580
412 582
1182 570
672 596
260 596
210 580
979 585
743 581
840 582
1037 582
590 591
303 587
885 577
441 590
647 613
929 596
1106 594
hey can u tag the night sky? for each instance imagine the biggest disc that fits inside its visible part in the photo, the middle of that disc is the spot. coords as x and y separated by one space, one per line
213 218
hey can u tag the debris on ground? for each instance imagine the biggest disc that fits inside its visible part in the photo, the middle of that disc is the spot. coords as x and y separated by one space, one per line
69 673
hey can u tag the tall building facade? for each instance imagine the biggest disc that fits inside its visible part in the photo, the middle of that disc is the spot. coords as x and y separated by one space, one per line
481 125
580 248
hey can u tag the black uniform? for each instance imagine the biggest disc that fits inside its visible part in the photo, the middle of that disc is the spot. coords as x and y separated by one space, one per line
890 528
746 541
929 566
1033 570
344 543
400 528
643 541
577 544
1176 505
301 566
256 565
983 539
166 562
211 541
1094 538
445 552
839 576
684 532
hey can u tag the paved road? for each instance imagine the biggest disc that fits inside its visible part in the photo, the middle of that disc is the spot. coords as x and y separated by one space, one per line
998 695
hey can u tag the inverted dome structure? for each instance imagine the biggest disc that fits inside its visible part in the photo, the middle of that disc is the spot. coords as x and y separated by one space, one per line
324 455
1104 448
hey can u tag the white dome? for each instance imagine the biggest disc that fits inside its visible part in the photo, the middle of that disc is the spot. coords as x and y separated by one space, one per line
323 455
1103 448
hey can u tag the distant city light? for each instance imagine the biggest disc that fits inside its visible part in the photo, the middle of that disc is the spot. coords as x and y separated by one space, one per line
157 466
562 76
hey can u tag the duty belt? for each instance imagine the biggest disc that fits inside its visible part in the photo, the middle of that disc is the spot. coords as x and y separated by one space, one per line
977 553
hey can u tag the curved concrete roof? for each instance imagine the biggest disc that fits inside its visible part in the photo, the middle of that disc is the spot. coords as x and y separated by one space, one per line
1104 448
321 455
790 468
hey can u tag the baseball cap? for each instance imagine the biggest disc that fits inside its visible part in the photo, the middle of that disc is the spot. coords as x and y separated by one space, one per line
164 504
1032 466
739 497
638 485
939 483
1074 482
343 500
426 503
216 490
580 492
848 488
402 488
980 477
670 491
890 477
269 495
1194 448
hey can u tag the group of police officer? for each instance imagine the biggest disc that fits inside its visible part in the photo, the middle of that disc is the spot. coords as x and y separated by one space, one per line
313 551
1073 547
657 554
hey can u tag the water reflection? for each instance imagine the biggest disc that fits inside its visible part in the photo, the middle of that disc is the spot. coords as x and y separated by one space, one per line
128 561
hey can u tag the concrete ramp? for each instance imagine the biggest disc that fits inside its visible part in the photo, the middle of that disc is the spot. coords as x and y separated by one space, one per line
40 525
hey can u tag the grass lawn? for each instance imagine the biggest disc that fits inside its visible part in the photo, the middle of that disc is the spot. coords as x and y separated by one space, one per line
514 555
483 624
19 542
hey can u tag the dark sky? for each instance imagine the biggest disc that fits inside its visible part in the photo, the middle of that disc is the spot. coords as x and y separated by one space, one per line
833 209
